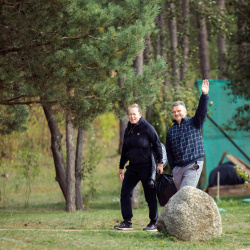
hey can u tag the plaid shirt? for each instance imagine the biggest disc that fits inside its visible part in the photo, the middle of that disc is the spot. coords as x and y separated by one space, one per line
184 143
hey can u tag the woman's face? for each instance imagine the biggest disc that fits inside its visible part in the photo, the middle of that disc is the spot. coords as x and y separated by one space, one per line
133 115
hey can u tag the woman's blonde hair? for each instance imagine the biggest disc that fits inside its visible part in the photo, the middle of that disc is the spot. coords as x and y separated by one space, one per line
134 106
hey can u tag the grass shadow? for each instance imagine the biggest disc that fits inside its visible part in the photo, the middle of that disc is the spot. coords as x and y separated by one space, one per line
59 206
104 206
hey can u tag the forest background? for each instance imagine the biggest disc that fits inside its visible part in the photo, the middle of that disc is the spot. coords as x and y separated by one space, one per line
69 70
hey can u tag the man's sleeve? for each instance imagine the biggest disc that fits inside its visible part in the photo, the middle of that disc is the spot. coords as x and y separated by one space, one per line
201 111
170 154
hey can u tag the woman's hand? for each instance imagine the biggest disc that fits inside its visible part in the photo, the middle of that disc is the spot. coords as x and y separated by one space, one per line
160 168
121 174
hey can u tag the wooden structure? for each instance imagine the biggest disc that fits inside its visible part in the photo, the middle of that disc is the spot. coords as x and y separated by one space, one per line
240 189
228 190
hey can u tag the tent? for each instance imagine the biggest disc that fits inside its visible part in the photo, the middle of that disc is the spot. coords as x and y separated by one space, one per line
222 107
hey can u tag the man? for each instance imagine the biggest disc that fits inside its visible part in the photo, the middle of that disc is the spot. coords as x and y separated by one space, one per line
184 143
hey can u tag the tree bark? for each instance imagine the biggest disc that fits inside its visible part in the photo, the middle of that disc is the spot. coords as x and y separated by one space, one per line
221 46
136 196
123 123
56 148
203 48
158 39
147 56
147 53
138 63
163 45
185 41
243 45
148 113
78 167
174 43
70 174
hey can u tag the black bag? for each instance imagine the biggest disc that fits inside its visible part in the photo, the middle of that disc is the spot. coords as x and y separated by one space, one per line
165 188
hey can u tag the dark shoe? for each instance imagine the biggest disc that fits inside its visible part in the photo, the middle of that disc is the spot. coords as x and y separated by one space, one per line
150 227
124 226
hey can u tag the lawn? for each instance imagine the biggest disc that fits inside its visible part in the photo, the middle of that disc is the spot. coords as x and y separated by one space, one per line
50 227
44 224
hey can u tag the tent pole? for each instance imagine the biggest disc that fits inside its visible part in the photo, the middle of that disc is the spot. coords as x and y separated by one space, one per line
218 186
223 132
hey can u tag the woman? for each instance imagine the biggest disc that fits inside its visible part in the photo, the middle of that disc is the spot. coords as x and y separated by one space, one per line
140 138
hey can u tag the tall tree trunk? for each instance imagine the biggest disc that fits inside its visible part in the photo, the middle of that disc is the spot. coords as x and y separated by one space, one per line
123 123
147 56
221 45
56 148
158 39
138 64
243 44
161 42
70 173
185 41
147 53
78 166
203 48
174 43
163 45
136 196
148 113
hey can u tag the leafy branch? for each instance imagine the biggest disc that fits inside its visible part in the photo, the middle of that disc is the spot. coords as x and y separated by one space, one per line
243 174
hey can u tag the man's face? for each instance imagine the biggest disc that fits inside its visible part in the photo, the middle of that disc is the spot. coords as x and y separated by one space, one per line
179 112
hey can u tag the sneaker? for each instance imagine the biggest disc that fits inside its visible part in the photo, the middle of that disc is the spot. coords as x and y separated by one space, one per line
124 226
150 227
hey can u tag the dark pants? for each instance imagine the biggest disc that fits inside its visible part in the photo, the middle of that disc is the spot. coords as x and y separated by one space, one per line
131 177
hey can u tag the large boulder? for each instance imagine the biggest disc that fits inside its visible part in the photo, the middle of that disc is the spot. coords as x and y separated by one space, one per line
191 215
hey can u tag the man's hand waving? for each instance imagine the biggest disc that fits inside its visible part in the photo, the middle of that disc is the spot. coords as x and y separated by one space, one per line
205 87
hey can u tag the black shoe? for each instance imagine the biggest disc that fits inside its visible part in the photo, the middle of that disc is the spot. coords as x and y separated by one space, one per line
124 226
150 227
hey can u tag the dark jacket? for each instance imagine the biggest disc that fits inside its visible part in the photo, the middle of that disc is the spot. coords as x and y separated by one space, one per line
184 143
139 141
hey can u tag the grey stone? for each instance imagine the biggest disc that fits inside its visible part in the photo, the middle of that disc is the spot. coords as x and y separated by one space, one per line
191 215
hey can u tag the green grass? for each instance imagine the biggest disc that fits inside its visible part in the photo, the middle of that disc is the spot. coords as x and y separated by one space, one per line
44 224
52 228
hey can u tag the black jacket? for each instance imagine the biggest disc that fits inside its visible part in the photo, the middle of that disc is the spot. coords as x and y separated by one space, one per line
139 141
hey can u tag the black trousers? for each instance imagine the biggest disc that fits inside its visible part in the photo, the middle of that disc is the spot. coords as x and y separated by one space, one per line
131 177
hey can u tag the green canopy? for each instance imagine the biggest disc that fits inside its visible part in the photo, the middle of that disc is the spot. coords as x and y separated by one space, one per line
221 110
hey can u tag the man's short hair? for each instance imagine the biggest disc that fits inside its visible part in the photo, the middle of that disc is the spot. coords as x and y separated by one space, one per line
178 103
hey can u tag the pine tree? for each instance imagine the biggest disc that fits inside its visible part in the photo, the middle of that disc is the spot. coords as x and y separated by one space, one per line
62 54
49 48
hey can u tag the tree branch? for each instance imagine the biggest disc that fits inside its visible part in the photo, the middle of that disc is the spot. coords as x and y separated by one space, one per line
14 4
34 102
17 97
25 103
16 49
95 38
